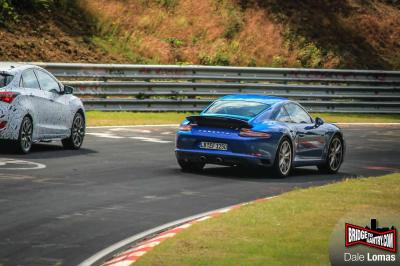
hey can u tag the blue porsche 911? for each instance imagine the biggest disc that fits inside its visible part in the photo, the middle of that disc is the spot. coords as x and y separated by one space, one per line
256 130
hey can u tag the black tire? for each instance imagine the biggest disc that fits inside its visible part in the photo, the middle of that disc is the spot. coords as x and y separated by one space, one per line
75 141
334 158
24 142
189 166
283 159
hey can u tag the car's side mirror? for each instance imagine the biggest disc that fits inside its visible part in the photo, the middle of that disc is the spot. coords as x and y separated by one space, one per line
68 89
319 121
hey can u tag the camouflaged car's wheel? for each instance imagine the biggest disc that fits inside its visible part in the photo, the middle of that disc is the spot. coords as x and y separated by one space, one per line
189 166
283 159
334 157
74 142
24 142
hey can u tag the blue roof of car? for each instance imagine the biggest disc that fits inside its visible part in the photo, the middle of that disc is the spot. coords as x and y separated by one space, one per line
253 97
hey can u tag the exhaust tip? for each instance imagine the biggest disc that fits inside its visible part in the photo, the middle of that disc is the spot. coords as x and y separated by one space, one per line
219 160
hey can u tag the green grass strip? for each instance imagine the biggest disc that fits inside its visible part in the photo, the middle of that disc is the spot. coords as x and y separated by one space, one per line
292 229
96 118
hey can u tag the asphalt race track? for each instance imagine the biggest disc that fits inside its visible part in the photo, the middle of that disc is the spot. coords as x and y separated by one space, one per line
59 207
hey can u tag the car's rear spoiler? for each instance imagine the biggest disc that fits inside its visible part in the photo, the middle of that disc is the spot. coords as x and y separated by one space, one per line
218 121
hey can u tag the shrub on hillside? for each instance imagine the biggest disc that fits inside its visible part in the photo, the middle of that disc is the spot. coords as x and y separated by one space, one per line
168 4
38 4
9 9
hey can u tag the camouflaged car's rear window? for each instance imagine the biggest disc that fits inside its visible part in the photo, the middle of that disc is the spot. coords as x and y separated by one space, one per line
5 79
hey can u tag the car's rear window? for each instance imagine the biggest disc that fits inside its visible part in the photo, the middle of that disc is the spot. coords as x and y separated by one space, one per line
5 79
240 108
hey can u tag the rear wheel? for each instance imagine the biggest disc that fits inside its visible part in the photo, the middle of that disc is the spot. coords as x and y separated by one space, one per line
283 159
190 166
334 158
74 142
24 143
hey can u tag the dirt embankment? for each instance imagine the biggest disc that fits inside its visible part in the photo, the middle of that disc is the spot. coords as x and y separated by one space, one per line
53 36
309 33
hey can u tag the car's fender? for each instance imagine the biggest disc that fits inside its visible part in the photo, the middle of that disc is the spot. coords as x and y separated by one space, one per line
75 105
332 130
278 130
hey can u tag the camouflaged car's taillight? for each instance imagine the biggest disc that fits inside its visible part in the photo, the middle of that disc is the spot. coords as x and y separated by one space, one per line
8 97
3 124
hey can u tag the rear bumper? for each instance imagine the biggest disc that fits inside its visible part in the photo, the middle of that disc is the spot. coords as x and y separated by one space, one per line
222 158
241 150
9 133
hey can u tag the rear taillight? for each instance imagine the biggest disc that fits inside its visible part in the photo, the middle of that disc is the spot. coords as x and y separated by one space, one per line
8 97
185 127
245 132
3 124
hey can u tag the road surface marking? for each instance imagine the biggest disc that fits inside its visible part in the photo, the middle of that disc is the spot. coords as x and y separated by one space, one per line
133 126
154 140
131 130
105 135
114 136
12 164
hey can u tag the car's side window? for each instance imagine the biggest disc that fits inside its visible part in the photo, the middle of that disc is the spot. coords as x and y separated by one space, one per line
297 114
283 115
47 83
29 80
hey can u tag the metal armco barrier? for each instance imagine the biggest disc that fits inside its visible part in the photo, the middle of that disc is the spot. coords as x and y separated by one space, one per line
191 88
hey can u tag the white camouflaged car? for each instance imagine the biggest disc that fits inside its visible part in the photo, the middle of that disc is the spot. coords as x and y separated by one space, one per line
35 107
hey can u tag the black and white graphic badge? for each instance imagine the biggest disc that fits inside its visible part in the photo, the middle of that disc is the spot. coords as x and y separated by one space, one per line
380 238
362 243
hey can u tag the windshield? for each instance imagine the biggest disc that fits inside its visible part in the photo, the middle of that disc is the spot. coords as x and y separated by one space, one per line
5 79
239 108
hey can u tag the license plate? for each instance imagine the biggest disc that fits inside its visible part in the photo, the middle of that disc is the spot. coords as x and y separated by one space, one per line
214 146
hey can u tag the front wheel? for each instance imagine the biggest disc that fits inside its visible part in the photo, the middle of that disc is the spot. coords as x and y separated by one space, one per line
24 143
74 142
334 157
189 166
283 159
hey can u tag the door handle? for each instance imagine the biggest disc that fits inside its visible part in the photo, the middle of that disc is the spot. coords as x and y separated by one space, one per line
301 135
